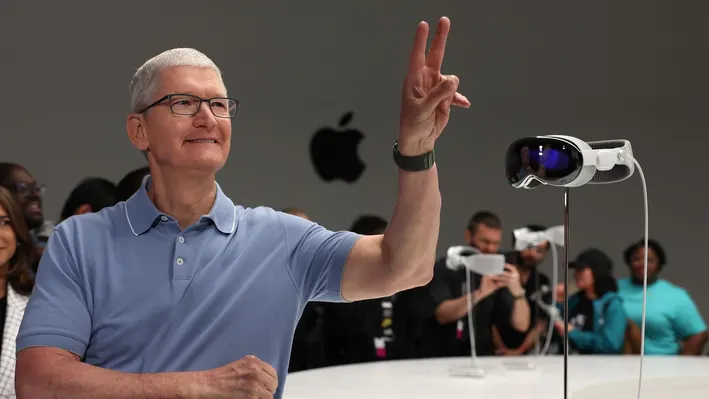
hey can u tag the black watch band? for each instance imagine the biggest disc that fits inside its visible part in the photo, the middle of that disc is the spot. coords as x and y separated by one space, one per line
415 163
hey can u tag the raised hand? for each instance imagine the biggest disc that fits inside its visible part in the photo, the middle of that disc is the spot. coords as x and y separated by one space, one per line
510 278
427 94
488 285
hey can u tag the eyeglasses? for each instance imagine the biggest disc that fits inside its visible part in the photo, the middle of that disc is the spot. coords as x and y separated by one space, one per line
24 188
189 105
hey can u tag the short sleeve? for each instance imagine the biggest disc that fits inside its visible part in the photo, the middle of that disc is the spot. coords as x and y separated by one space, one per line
57 314
687 320
317 257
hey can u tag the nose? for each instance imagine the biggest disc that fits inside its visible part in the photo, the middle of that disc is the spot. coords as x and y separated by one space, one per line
204 117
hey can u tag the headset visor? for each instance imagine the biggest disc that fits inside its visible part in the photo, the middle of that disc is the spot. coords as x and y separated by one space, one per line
553 161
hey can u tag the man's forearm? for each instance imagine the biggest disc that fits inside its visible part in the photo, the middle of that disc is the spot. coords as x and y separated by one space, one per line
455 309
71 379
412 235
694 345
521 315
452 310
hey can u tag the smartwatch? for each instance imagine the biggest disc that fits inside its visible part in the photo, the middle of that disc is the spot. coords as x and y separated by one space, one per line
523 295
416 163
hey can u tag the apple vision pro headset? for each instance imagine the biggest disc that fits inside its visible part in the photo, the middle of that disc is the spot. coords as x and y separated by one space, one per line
565 161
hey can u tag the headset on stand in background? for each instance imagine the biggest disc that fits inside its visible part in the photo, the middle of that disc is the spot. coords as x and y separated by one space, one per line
526 238
470 259
565 161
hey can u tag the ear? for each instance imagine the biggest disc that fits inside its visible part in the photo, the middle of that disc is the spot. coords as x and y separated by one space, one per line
84 208
135 126
468 236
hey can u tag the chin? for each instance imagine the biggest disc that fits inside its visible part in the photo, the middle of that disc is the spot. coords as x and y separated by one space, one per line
206 164
34 221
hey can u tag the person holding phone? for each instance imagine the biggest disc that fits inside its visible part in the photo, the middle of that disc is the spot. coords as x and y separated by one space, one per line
537 285
496 299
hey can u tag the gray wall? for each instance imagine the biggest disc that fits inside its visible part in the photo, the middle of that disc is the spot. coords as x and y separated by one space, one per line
597 70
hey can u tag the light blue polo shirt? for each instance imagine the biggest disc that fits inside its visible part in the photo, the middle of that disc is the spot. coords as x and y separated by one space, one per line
671 314
126 289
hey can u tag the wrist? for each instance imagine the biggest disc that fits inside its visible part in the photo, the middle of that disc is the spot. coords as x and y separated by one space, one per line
198 386
478 293
517 292
414 148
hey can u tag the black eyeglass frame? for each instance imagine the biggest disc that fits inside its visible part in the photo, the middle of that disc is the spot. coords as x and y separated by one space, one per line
202 100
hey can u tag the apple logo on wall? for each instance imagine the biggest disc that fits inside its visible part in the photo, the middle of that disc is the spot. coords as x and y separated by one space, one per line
333 152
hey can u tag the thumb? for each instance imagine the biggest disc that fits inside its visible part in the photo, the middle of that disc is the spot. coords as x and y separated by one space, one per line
445 89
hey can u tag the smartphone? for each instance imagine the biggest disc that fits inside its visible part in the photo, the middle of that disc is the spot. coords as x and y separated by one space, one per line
512 257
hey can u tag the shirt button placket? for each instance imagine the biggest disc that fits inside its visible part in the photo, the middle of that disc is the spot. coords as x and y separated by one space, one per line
181 271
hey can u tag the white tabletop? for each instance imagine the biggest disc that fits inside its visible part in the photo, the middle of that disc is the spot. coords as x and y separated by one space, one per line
589 377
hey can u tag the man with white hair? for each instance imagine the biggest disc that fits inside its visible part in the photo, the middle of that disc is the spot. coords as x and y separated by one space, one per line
179 293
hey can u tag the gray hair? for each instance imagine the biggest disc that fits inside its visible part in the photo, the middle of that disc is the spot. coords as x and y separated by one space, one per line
145 79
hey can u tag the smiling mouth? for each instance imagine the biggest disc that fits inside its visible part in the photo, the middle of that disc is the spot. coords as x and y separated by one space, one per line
34 207
201 141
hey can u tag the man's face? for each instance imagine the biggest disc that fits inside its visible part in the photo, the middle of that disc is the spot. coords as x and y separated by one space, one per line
532 257
485 238
637 263
198 142
27 193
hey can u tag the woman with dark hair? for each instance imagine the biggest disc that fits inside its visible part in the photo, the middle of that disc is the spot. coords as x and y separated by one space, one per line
597 320
17 257
673 323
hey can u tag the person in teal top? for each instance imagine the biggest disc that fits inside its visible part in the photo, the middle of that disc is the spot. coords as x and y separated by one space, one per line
673 323
597 320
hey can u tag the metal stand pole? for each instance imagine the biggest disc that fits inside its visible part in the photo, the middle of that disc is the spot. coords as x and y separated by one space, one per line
566 293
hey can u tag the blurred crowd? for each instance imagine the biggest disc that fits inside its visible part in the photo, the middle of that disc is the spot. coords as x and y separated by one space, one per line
518 312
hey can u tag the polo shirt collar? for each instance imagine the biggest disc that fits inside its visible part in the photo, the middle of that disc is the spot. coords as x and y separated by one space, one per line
142 213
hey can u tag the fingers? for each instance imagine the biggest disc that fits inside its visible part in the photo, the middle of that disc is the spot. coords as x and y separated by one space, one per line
442 94
264 373
263 366
510 268
270 382
417 58
268 369
460 100
438 47
259 392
